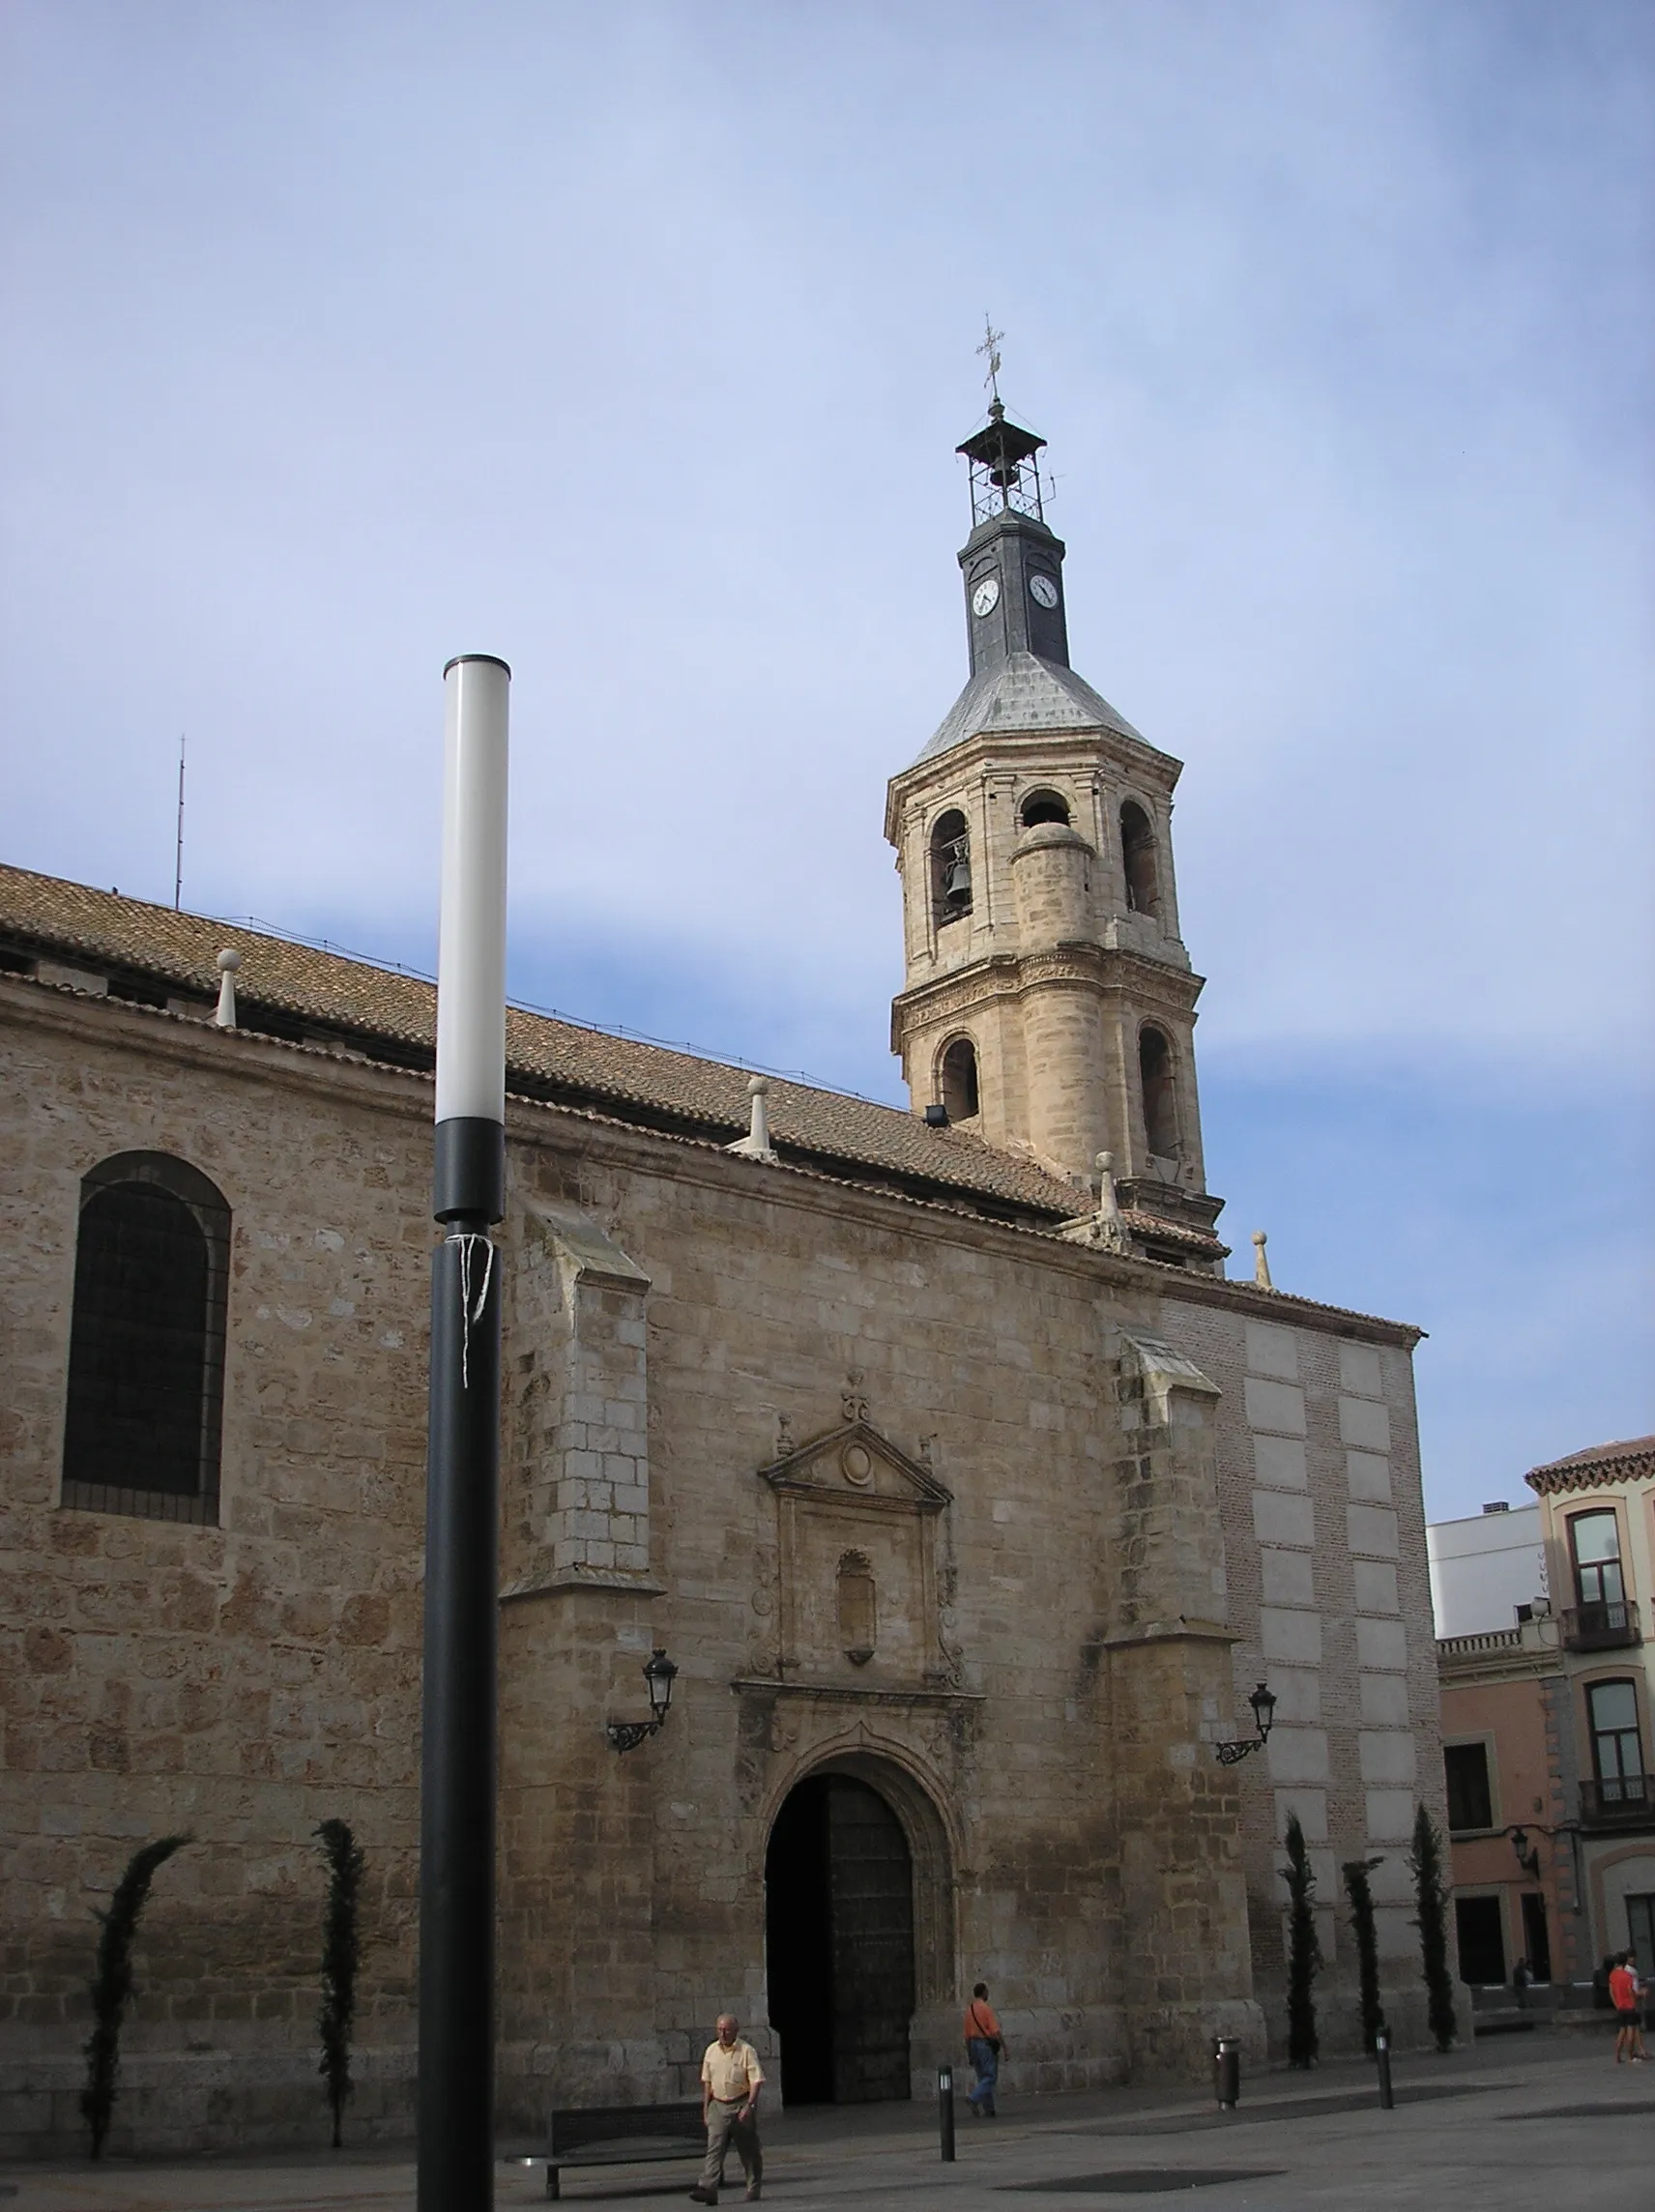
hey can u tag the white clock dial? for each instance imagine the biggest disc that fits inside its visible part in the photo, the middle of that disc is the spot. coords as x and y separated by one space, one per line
1044 589
986 597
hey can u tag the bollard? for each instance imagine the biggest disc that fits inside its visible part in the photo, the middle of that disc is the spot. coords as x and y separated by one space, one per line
1382 2053
1226 2073
946 2113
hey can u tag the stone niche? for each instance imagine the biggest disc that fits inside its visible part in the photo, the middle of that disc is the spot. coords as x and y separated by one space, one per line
856 1597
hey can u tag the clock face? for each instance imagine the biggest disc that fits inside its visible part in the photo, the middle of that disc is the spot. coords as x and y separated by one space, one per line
1044 589
986 597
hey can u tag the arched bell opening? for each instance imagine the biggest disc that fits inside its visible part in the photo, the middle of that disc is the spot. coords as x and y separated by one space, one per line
950 867
1139 861
1159 1088
957 1080
859 1928
1044 807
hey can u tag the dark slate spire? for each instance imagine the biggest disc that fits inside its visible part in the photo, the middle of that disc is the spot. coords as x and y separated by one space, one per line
1016 624
1012 562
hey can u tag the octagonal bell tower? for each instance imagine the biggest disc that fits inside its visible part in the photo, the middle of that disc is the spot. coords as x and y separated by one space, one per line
1047 1001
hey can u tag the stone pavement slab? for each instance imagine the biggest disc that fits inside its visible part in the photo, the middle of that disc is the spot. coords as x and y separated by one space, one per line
1551 2127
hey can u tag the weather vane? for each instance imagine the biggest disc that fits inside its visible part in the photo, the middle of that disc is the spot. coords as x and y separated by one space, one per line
991 348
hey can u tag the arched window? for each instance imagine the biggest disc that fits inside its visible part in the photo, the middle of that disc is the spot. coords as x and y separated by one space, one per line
957 1079
1043 806
1138 856
146 1351
950 866
1160 1093
859 1608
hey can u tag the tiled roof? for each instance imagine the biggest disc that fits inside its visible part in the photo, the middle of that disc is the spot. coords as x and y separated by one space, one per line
1629 1461
1025 692
545 1057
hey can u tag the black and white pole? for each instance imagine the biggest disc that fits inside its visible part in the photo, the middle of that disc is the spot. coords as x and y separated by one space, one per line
456 1801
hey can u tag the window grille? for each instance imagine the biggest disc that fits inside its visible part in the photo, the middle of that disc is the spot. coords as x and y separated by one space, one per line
146 1360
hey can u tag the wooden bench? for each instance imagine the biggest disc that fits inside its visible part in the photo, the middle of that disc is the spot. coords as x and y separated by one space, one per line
623 2134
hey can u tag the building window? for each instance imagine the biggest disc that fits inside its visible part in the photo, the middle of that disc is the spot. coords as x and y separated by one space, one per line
146 1353
957 1080
858 1599
1594 1540
1160 1101
1470 1800
1138 858
1618 1754
950 866
1482 1940
1043 806
1536 1936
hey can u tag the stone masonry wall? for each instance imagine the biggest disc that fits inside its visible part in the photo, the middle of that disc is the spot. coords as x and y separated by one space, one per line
243 1682
247 1681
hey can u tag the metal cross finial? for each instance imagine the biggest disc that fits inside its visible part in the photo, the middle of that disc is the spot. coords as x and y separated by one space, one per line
991 348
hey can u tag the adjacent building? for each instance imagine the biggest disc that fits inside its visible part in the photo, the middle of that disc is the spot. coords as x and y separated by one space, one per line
1546 1722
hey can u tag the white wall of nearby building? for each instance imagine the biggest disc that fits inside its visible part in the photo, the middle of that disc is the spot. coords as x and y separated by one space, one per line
1482 1569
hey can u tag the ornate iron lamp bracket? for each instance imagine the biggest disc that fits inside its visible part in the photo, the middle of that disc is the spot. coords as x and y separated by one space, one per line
660 1674
1264 1705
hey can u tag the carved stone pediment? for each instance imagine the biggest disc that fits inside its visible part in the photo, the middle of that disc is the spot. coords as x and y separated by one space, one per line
857 1467
856 1582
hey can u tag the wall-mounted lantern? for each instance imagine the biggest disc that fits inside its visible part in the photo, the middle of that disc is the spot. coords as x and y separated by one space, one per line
1528 1854
1264 1705
660 1674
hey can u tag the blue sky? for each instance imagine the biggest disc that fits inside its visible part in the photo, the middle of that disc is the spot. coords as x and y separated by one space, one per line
633 342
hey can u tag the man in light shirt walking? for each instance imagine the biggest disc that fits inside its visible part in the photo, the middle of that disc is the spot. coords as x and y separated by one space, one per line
730 2078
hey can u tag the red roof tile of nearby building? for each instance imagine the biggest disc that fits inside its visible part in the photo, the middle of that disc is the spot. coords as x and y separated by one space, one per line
1598 1464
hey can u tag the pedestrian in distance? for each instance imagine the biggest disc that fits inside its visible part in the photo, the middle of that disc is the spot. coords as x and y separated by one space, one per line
985 2047
1623 1994
730 2078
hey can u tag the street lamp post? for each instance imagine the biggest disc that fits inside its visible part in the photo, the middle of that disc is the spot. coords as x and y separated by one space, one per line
457 1780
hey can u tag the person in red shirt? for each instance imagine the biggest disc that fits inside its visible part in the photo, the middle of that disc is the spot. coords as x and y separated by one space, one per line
985 2047
1623 1995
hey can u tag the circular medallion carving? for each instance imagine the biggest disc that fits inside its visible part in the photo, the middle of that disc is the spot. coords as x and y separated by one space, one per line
857 1465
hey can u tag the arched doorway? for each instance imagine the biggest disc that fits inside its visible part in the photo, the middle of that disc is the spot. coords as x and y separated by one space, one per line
839 1943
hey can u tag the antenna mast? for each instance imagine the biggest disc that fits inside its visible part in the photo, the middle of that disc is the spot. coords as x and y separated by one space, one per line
177 847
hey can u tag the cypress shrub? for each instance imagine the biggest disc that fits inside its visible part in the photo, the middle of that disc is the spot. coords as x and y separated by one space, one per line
1431 1918
1304 1951
1360 1891
112 1984
341 1955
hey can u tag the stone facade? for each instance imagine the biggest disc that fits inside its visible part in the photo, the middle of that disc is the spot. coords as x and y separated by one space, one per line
1069 1483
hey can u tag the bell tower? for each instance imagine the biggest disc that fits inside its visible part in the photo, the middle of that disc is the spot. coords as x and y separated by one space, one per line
1048 1001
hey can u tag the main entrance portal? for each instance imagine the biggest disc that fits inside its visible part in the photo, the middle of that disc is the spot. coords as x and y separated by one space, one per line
840 1938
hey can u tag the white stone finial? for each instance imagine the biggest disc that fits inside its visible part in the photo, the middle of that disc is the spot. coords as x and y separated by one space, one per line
1261 1265
229 961
756 1144
1108 1225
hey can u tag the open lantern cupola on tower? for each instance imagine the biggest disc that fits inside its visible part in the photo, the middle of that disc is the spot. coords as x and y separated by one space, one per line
1048 1002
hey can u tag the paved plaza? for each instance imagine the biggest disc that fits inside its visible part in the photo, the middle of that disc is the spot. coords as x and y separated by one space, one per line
1539 2121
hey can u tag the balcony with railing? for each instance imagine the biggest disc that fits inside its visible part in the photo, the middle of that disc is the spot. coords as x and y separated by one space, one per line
1609 1624
1627 1801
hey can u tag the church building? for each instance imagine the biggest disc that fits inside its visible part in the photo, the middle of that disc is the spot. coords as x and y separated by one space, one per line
969 1496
